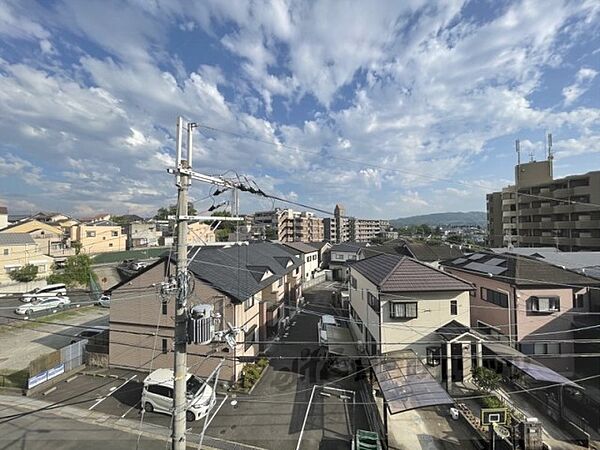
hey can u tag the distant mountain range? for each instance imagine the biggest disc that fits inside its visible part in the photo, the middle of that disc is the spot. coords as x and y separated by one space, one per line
448 218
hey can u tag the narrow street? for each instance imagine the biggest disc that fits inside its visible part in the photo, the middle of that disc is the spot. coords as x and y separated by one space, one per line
279 402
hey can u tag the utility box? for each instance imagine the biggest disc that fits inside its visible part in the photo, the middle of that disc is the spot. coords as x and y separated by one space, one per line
201 328
531 434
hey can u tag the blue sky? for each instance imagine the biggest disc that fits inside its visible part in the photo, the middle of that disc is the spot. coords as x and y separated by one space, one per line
390 108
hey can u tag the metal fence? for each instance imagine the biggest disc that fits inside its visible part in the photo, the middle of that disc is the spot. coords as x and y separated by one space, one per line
47 367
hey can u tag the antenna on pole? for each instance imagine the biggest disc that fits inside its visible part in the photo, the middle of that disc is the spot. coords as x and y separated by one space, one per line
518 149
549 144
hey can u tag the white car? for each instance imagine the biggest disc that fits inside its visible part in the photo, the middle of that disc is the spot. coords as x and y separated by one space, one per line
104 301
157 395
43 304
51 290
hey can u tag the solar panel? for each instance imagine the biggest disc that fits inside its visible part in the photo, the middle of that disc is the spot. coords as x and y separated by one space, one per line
476 256
406 384
485 268
459 261
495 261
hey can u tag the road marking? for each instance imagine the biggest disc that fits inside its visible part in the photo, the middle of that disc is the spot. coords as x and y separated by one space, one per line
100 400
216 412
129 410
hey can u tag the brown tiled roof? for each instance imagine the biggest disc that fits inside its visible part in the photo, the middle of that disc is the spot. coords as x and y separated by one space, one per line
391 273
432 252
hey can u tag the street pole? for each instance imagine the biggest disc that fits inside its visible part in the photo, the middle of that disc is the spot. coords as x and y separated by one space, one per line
178 440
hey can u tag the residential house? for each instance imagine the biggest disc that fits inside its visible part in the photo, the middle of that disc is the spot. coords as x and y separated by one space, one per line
528 304
247 285
49 217
18 250
324 249
200 233
3 217
399 304
142 234
427 252
48 237
341 256
309 256
100 237
97 218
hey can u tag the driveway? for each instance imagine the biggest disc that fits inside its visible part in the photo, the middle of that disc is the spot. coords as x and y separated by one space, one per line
272 417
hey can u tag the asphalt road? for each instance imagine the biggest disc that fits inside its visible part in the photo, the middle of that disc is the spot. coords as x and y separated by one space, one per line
45 429
8 305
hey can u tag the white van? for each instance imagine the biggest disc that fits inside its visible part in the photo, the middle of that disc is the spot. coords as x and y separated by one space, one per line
51 290
326 319
157 394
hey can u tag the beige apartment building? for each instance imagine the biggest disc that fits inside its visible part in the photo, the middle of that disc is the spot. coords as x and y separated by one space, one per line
18 250
291 226
200 233
99 238
546 212
341 228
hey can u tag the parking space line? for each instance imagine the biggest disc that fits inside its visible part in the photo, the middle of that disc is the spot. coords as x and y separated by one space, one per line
129 410
100 400
217 411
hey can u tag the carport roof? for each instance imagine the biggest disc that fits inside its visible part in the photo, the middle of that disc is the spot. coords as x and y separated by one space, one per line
406 383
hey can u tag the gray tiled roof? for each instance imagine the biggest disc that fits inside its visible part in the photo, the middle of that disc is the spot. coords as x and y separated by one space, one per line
392 273
301 247
8 239
350 247
238 270
520 270
318 245
432 252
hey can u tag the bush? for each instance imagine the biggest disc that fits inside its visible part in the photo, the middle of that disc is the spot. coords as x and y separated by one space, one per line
486 379
492 402
24 274
251 373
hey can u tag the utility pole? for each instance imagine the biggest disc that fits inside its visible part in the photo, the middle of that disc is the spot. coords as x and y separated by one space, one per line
183 180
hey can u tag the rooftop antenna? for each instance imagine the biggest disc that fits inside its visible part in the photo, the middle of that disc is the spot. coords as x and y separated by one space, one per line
518 149
549 146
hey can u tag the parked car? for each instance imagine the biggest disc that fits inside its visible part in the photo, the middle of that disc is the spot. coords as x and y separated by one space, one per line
51 290
89 333
104 301
138 265
43 304
157 394
326 319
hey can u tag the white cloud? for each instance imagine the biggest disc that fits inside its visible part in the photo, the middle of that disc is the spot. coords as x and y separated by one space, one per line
583 81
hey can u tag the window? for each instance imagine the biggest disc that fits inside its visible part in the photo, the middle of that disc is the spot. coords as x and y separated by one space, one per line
249 303
160 390
249 338
6 251
453 308
114 233
280 282
543 304
353 282
356 319
164 308
110 244
546 348
90 234
495 297
578 301
164 346
434 356
373 302
403 310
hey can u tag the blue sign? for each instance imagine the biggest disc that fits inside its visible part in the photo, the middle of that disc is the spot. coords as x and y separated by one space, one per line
56 371
37 379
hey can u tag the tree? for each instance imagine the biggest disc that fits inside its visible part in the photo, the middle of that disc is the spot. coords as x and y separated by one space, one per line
454 238
77 272
77 246
24 274
164 213
486 379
